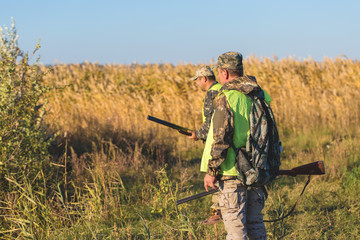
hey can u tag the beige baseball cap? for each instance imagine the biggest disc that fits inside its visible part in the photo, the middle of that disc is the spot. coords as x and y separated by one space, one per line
203 71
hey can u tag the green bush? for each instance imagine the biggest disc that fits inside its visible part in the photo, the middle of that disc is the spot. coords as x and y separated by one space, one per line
23 143
24 155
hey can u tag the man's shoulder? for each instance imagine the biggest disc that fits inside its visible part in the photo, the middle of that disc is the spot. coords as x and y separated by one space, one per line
213 92
216 86
232 99
220 100
232 93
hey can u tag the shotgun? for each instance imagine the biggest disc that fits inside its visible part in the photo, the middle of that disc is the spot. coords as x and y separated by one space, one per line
315 168
182 130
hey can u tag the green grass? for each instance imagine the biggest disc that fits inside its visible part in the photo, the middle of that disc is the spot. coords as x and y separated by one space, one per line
107 200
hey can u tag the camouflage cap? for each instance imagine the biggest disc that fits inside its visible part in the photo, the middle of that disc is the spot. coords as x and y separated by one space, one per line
229 60
203 71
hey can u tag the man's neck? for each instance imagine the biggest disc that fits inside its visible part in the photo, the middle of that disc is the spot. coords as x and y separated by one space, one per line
210 85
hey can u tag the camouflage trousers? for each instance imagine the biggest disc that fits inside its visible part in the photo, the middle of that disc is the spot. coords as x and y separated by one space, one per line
241 210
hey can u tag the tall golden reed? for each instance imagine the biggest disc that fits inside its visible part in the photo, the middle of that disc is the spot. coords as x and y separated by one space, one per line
97 101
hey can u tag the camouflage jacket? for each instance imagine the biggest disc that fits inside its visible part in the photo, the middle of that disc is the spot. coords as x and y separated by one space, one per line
202 132
223 121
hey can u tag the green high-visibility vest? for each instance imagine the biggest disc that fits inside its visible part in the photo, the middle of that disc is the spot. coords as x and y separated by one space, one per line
240 105
217 87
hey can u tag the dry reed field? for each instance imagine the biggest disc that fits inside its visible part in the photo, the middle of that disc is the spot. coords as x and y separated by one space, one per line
306 94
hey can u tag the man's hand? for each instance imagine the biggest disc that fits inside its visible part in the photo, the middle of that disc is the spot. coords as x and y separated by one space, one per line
193 136
209 182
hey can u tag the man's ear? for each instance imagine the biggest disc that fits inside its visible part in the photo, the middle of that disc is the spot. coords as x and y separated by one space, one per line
227 75
224 72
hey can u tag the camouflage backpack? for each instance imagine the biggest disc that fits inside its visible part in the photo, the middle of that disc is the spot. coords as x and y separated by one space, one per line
258 163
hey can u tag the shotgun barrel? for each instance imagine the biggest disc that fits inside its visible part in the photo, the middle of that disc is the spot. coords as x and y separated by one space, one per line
199 195
315 168
182 130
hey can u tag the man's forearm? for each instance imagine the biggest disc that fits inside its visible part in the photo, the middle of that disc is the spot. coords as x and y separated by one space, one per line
218 153
203 131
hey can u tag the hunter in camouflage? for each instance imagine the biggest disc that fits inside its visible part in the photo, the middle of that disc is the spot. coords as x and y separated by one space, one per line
240 207
205 79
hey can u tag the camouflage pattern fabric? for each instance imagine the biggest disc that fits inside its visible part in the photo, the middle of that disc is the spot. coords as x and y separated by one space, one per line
202 132
230 60
263 144
223 122
241 210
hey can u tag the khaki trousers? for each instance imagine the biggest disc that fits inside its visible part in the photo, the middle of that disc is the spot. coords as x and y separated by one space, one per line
241 210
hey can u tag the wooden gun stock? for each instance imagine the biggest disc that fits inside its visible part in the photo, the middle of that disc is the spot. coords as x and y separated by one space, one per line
315 168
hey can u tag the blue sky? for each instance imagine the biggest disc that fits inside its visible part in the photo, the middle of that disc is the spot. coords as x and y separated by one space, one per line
187 31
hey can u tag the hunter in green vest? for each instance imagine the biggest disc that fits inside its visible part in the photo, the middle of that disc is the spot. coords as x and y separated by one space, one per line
205 79
240 206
